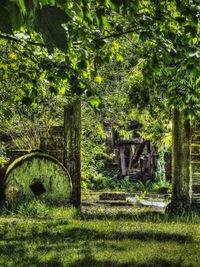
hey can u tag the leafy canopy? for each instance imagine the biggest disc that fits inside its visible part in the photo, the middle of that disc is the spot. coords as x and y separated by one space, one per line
81 28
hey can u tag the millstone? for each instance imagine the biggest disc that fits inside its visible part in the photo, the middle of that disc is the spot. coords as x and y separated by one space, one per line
39 176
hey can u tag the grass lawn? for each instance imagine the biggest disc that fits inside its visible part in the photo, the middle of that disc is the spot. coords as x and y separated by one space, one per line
65 237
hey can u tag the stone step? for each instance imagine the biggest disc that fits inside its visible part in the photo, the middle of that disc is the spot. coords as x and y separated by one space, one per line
115 203
112 196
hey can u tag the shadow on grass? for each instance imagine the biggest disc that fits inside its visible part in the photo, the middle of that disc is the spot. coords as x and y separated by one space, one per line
23 260
89 261
24 248
76 234
143 216
136 216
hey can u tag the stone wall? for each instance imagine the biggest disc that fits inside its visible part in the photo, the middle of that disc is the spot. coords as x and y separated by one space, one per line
53 144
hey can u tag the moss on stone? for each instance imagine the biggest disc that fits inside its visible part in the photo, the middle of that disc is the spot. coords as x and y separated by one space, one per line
37 166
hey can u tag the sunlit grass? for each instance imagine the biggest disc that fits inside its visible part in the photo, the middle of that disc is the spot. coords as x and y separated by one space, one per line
67 237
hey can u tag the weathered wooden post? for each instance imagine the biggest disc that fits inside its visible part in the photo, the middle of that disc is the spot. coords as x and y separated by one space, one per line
72 140
122 159
181 178
195 165
2 175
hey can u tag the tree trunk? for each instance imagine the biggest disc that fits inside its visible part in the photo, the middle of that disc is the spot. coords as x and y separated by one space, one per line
181 181
72 137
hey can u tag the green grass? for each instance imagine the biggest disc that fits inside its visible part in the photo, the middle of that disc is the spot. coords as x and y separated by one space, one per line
65 237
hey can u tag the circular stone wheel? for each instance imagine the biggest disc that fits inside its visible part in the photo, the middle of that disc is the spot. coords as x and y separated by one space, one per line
37 175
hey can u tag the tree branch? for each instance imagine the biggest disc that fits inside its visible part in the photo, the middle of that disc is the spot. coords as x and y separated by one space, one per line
119 34
15 39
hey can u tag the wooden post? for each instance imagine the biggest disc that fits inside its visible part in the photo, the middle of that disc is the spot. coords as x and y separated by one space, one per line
72 139
181 178
122 160
2 176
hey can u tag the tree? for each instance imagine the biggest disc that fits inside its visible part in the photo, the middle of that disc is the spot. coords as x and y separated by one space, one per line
172 70
170 29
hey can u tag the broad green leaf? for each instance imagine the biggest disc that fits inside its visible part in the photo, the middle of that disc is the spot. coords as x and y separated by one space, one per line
49 22
13 56
191 28
16 18
53 90
94 101
29 5
120 58
87 15
21 5
99 79
110 4
100 17
79 11
5 21
27 100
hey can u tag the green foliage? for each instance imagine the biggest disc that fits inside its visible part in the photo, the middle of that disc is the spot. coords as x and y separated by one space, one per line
170 71
32 208
3 156
102 182
169 31
160 175
109 180
161 186
38 209
93 149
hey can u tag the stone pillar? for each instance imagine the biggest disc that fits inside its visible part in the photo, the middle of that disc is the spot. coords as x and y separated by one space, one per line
72 147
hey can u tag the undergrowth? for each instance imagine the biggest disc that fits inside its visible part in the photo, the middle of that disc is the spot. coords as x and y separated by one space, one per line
41 210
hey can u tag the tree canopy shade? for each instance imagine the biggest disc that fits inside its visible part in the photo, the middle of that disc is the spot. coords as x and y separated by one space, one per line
81 28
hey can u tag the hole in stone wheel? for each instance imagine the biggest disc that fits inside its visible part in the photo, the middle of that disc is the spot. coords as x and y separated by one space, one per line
37 188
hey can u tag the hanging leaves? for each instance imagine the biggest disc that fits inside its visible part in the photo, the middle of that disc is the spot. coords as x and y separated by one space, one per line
49 22
5 21
16 18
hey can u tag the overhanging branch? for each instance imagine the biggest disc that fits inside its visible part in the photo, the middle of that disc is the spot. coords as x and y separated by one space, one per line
119 34
17 40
